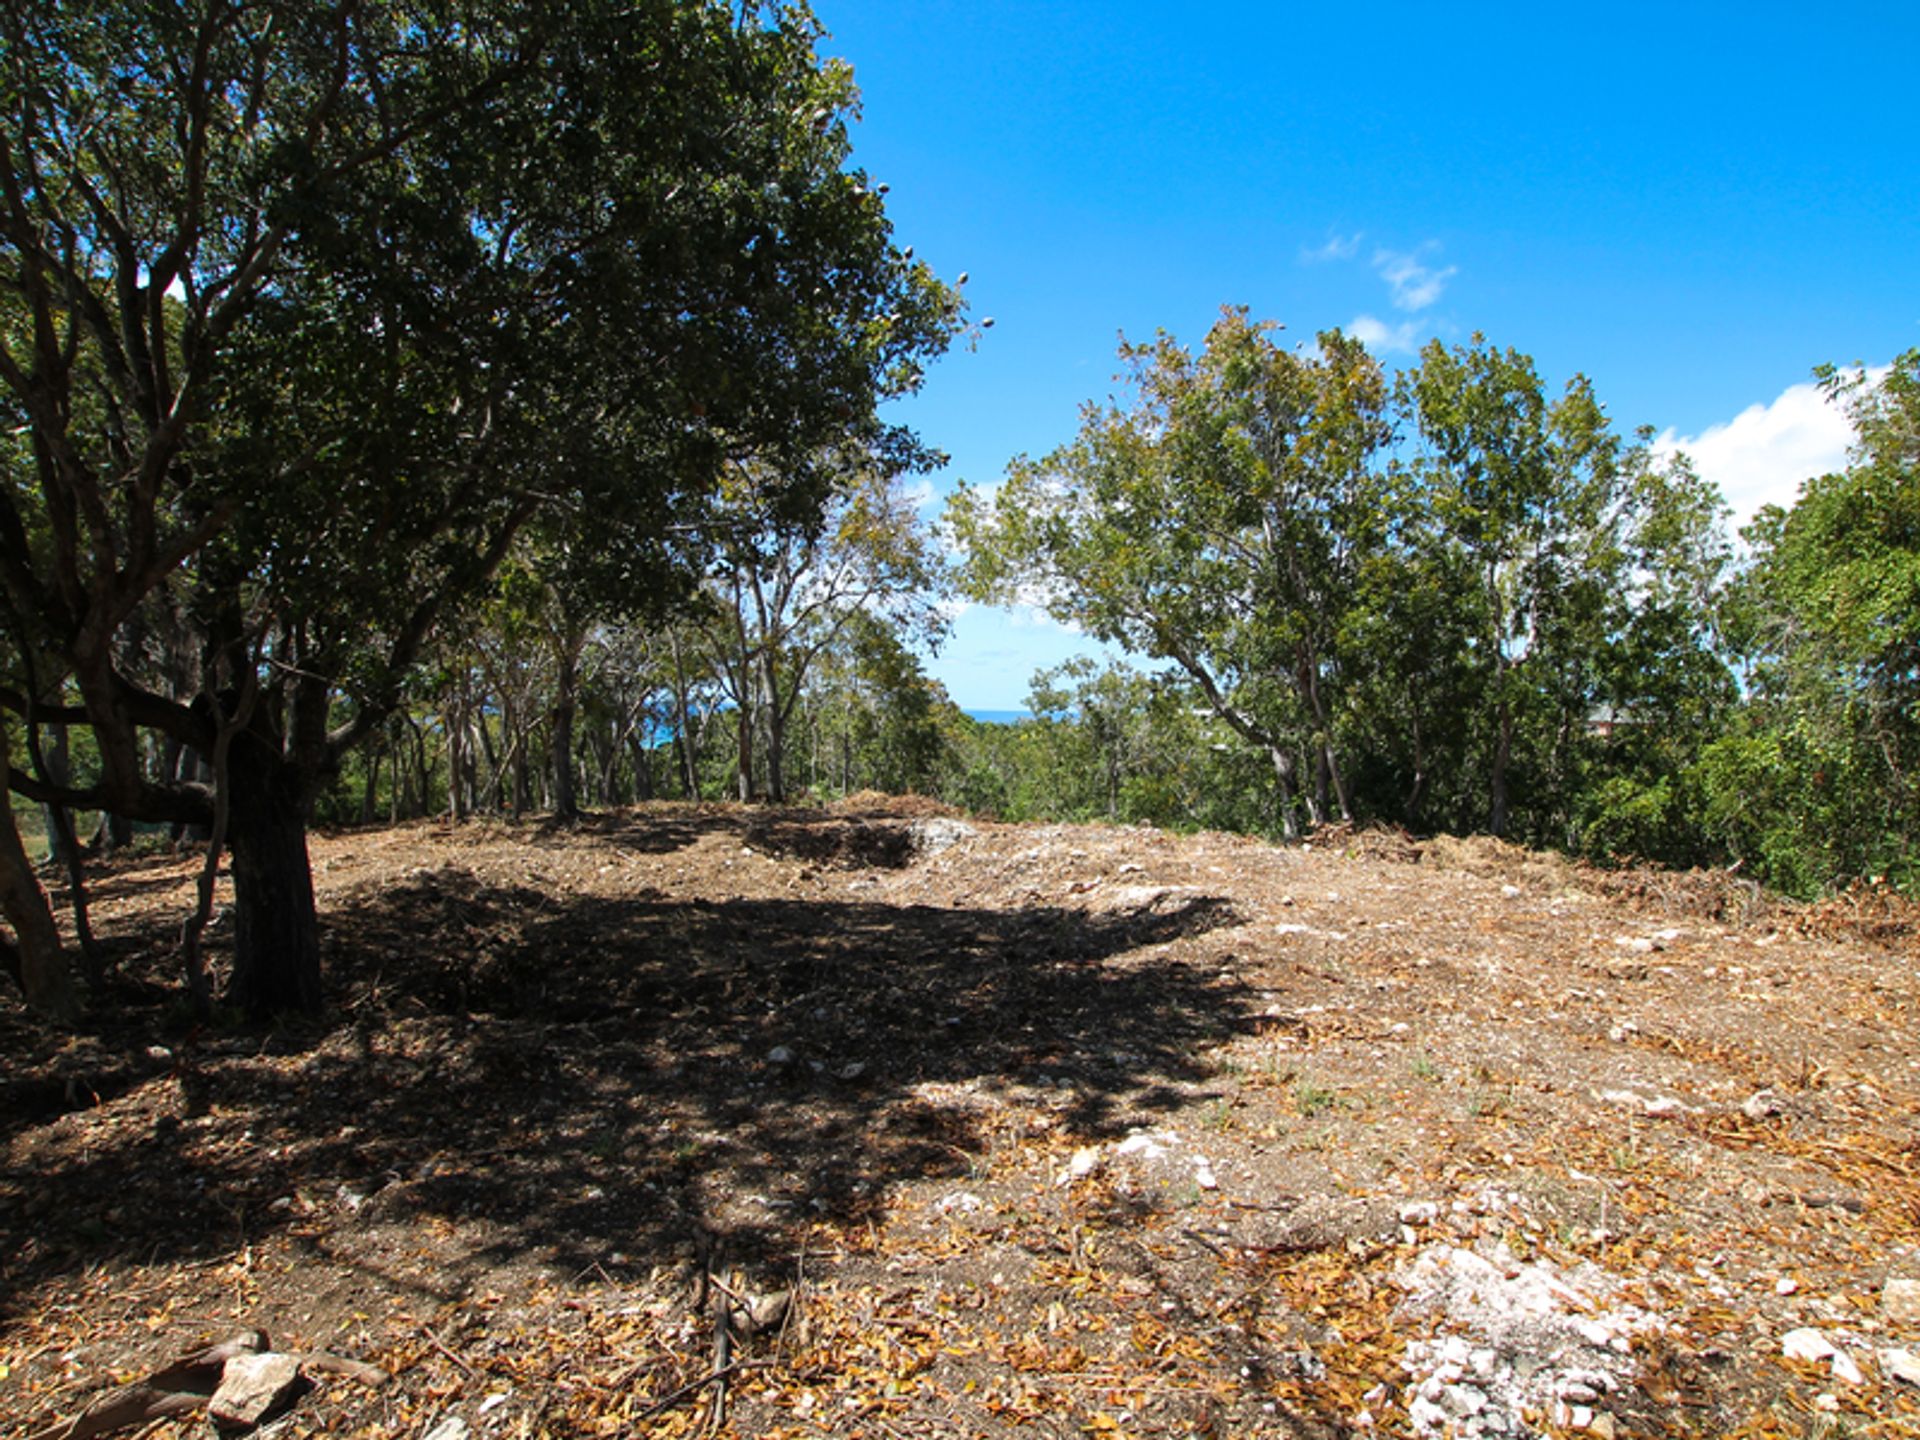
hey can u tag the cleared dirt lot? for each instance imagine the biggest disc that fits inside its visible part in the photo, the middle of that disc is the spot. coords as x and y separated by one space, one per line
1051 1130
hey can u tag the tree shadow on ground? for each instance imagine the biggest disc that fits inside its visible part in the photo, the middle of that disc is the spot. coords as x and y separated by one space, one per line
584 1076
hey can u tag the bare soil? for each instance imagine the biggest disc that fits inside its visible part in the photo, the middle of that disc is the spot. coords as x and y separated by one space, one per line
1049 1130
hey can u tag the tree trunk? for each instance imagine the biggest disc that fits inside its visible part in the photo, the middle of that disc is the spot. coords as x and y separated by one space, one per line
371 793
1497 817
276 933
642 766
44 976
454 718
566 802
56 770
1283 771
743 738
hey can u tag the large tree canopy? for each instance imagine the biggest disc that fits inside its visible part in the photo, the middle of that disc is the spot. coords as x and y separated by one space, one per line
1216 521
309 309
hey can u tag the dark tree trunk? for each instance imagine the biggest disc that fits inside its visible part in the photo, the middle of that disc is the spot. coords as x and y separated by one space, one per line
642 756
371 793
276 933
1497 816
41 967
566 803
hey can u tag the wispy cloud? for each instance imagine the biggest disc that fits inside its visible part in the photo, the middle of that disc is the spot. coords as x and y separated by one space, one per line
1381 338
1338 247
1765 453
1415 285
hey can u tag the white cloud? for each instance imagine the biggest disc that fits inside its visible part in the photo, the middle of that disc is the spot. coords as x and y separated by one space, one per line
921 495
1415 286
1338 247
1380 337
1764 454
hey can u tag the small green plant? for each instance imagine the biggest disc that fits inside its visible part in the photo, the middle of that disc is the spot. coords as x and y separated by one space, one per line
1218 1115
1311 1100
1423 1067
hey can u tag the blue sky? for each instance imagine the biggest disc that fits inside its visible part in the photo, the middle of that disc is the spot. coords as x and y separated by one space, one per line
1694 204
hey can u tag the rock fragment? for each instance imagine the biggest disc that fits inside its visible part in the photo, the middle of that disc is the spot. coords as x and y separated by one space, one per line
254 1388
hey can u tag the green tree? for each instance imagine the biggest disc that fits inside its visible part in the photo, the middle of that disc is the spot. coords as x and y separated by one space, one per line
784 590
1217 521
315 307
1819 779
1525 493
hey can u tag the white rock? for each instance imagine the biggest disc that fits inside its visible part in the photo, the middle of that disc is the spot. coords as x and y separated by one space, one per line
1761 1105
451 1428
1900 1301
1203 1175
1419 1212
1846 1369
939 833
1785 1285
1085 1161
253 1387
1634 944
1148 1146
965 1201
1902 1365
1806 1343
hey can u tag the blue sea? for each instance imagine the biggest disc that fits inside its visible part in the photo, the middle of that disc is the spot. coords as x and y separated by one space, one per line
999 717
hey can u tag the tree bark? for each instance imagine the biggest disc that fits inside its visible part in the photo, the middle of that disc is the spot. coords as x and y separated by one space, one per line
44 975
566 802
276 937
1497 816
1283 771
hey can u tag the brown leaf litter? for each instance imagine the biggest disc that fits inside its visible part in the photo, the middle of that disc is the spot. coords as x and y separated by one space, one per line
1046 1130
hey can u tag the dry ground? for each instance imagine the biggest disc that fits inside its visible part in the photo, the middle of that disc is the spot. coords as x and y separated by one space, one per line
1050 1130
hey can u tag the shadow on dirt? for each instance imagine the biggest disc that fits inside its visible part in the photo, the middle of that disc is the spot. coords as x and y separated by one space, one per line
585 1076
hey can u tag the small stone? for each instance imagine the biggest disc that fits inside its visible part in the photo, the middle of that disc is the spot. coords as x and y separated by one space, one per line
1510 891
1846 1369
1806 1343
451 1428
780 1055
1203 1175
1785 1285
253 1388
1901 1365
852 1071
1580 1417
1828 1403
1603 1425
1900 1301
1085 1161
1761 1105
